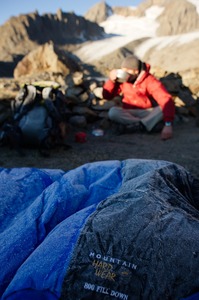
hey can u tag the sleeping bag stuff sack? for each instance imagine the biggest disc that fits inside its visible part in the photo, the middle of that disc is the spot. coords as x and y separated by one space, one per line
105 230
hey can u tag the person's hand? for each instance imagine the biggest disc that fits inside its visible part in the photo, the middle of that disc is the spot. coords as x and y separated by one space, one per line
113 75
167 132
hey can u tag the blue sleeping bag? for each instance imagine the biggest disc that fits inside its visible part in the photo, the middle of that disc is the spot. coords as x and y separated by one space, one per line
106 230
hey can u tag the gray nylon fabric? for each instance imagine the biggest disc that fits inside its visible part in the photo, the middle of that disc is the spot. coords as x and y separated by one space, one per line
142 242
35 125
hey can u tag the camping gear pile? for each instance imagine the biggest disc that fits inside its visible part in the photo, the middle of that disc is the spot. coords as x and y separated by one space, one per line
37 112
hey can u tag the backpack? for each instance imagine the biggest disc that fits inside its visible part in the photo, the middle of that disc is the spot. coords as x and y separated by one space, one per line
35 118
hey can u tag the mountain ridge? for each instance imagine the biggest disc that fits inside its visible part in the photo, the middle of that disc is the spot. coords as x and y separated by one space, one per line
21 35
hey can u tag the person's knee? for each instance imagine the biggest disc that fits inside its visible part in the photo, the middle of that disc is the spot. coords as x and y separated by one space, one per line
114 113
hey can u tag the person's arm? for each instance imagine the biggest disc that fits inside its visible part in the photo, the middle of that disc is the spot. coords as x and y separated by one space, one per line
167 131
157 90
111 87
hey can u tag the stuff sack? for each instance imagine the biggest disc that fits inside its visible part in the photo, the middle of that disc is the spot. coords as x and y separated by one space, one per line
36 126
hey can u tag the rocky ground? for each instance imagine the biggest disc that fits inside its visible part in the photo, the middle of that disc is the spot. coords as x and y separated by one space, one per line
182 149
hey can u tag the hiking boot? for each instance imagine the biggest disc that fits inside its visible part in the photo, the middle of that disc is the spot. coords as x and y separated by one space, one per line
131 128
135 127
118 129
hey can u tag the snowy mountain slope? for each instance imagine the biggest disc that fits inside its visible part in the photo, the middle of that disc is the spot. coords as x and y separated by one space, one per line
122 30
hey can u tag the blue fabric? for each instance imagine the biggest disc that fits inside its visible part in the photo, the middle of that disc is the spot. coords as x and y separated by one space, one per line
193 297
44 214
38 209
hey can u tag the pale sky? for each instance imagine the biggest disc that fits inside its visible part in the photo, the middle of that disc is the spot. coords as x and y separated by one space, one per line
79 7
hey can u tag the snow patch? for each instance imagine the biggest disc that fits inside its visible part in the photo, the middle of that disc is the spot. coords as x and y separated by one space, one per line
123 30
154 11
162 42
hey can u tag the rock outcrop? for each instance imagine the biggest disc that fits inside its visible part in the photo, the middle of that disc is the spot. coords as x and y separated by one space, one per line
22 34
46 58
99 12
178 19
175 18
144 5
124 11
34 45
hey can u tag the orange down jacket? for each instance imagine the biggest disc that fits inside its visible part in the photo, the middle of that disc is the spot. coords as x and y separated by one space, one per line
142 94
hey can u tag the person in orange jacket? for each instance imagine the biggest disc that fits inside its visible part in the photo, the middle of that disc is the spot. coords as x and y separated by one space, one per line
145 101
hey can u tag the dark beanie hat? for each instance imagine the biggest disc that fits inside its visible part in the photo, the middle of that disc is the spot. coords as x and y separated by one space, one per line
131 62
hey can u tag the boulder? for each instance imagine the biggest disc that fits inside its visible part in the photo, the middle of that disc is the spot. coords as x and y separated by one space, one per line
46 58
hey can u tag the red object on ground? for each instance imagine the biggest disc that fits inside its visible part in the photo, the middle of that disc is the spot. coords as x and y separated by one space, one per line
80 137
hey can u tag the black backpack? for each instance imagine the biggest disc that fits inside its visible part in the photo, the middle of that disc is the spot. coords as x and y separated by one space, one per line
36 115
